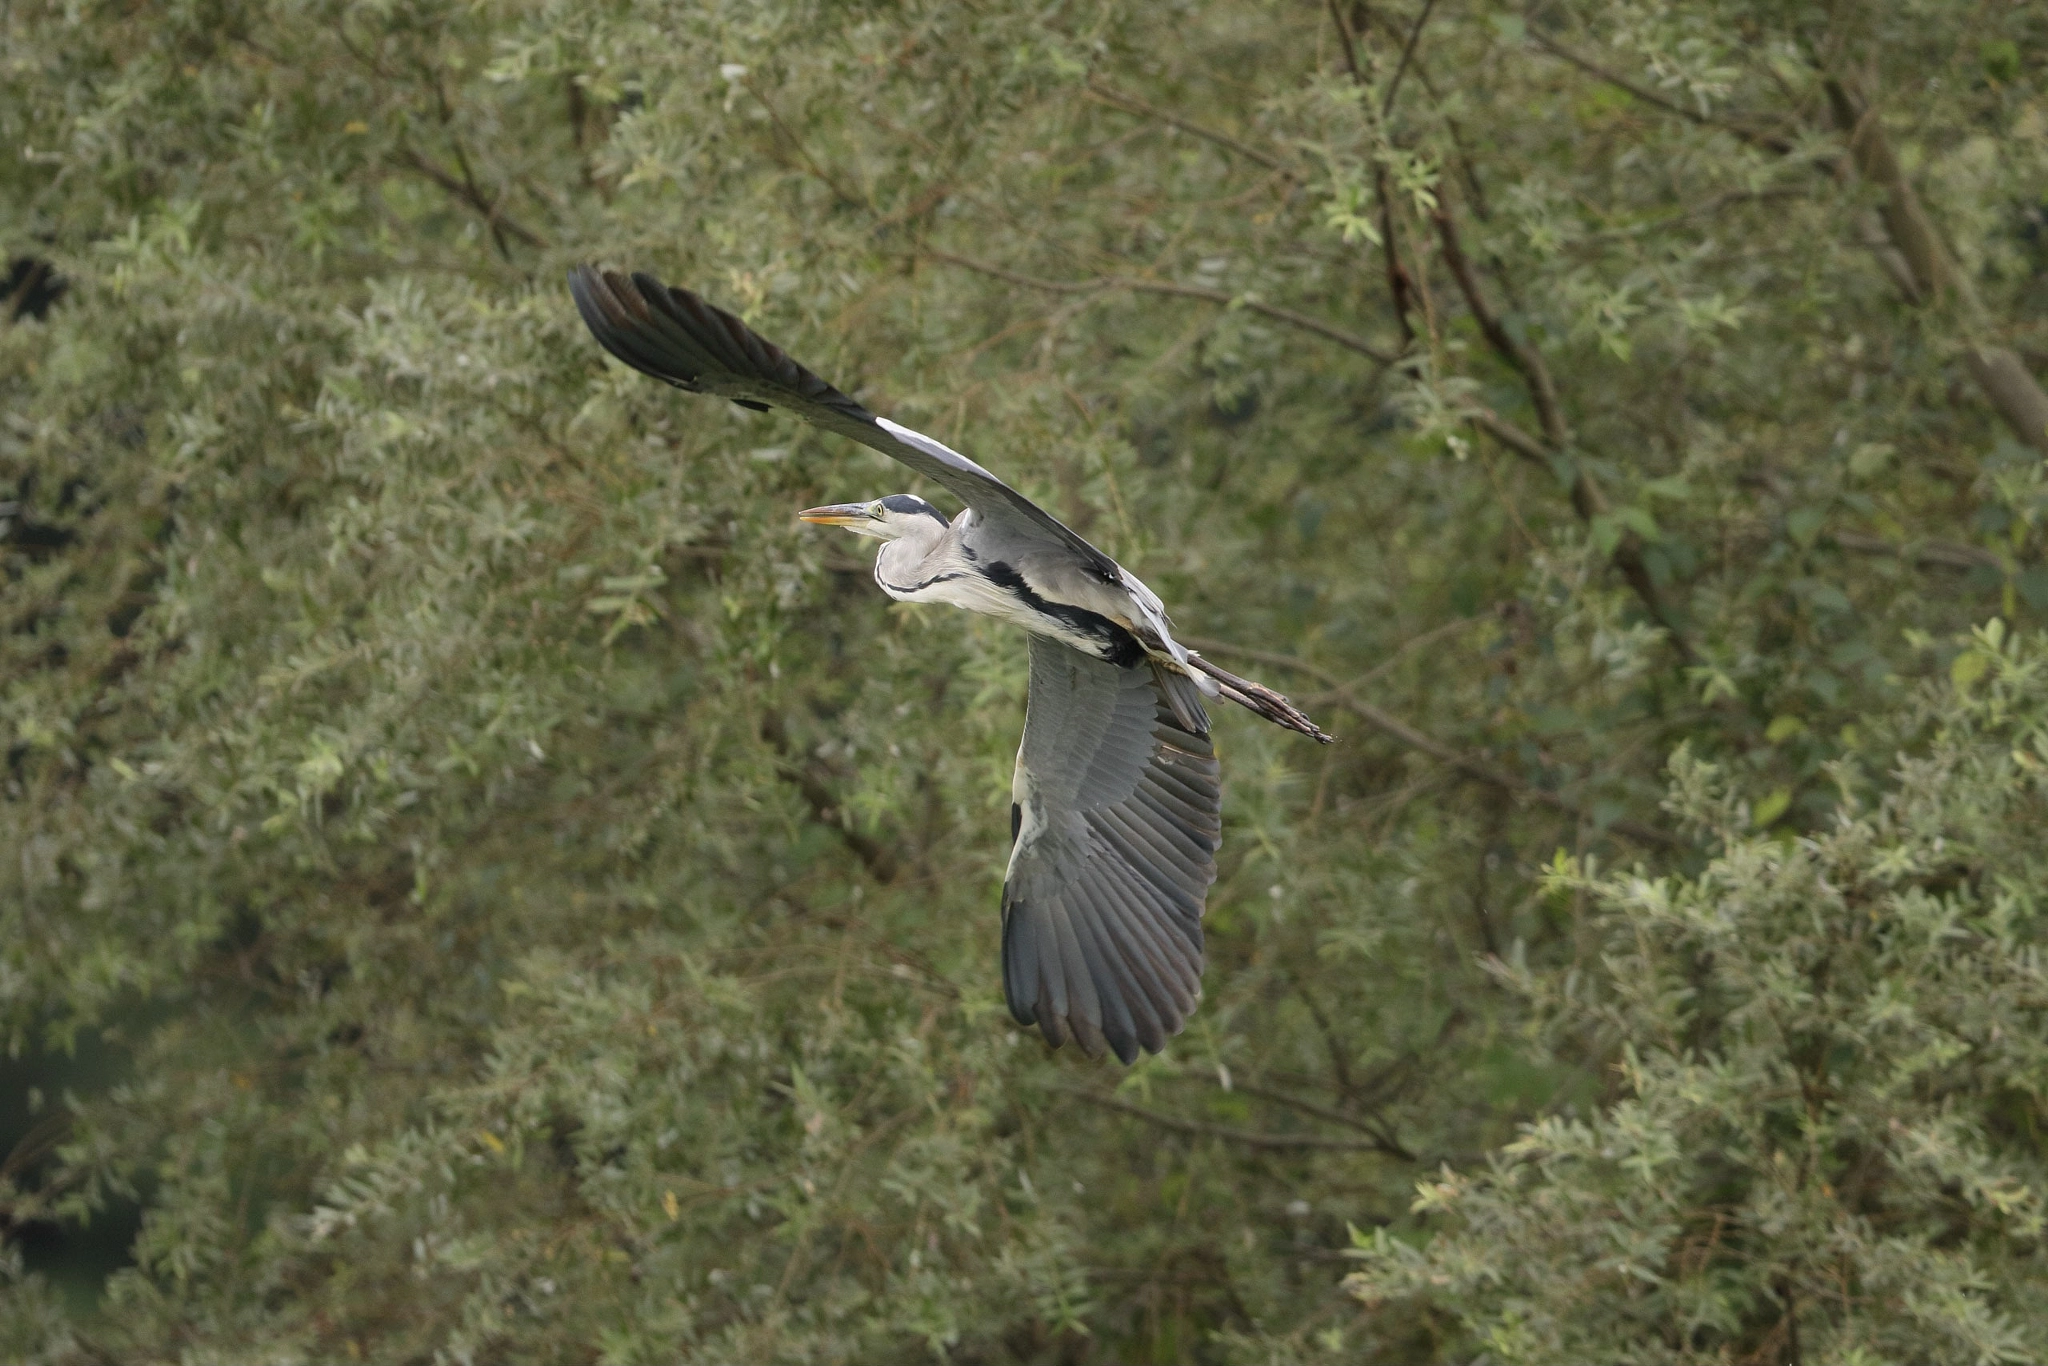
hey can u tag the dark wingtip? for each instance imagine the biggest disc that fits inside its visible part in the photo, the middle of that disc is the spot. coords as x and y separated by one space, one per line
584 283
1018 992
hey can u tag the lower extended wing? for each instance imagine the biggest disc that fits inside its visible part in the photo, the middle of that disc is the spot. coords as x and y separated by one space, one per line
1117 817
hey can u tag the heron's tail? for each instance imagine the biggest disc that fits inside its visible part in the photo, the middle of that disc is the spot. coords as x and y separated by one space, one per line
1259 698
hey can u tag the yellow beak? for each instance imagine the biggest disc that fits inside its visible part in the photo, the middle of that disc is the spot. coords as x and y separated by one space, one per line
839 514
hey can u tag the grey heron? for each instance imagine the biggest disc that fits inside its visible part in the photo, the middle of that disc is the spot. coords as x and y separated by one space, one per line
1115 811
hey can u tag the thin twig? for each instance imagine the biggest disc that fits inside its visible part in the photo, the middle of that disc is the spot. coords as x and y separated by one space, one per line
1346 43
487 203
1340 1061
820 172
879 858
1131 104
1407 55
1946 554
1564 54
1389 724
1589 503
1113 283
1711 205
1400 287
1389 1145
469 193
1524 358
1248 1137
1414 643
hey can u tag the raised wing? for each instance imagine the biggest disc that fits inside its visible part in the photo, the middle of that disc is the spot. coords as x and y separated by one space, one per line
680 339
1117 814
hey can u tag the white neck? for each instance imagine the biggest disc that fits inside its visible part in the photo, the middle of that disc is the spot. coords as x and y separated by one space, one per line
906 565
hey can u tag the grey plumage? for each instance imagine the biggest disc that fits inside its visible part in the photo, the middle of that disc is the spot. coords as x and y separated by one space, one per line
1116 848
1116 807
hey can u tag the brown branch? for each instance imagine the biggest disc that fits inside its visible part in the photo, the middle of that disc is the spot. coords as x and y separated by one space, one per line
1768 141
1942 554
1400 285
1388 724
1131 104
1113 283
1346 43
879 859
1340 1062
1511 436
1525 359
466 189
1407 55
1389 1145
820 172
1248 1137
1912 252
2014 392
1999 372
1905 220
1586 497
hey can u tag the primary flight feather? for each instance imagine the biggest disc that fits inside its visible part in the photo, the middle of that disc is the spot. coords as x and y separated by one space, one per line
1115 812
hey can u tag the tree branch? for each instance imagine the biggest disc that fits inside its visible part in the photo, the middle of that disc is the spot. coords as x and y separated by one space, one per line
1113 283
879 859
1248 1137
1525 359
1389 1145
775 116
1340 1062
1400 286
466 189
1999 372
1407 55
1768 141
1388 724
1131 104
1913 255
1586 497
1942 554
1345 42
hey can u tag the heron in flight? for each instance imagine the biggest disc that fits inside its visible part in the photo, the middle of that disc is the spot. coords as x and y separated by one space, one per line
1115 812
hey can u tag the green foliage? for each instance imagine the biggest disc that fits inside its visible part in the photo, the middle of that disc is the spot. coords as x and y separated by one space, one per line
1823 1137
547 898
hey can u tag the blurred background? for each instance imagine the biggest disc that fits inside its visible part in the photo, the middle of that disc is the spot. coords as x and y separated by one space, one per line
483 883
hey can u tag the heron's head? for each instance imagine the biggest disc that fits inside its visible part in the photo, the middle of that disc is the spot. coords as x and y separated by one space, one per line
885 519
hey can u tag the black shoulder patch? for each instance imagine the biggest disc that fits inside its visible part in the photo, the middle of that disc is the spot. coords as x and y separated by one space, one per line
1119 647
1016 821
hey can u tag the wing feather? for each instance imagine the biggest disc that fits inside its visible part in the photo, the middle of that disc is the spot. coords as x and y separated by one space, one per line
1147 963
1116 850
1170 802
1109 976
1176 849
1156 873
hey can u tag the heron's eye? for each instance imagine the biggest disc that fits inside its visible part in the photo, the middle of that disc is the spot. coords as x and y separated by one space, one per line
875 510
